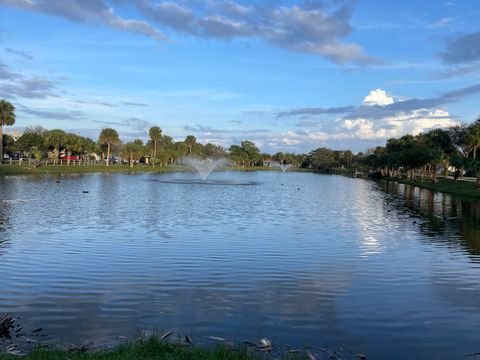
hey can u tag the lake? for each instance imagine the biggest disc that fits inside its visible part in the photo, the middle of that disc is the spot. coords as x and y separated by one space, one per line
300 258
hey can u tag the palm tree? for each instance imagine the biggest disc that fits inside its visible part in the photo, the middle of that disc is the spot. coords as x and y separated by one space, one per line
110 137
7 118
190 141
155 135
474 130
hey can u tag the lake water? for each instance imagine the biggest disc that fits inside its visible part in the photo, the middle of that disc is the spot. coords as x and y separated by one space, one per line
299 258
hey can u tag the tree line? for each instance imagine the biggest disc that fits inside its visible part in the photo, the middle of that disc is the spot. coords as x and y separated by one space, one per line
37 142
453 149
425 154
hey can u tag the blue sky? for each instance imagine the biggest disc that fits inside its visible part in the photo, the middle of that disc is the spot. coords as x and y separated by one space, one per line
288 75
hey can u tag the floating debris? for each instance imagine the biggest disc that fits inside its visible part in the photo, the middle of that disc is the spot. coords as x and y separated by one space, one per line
264 345
215 338
166 335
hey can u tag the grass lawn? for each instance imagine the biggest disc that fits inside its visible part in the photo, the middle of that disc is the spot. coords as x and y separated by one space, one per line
6 170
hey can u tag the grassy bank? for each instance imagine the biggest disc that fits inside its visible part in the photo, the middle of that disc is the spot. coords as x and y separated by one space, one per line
10 170
448 186
147 349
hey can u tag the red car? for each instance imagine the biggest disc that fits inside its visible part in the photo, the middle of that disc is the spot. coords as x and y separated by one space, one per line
71 157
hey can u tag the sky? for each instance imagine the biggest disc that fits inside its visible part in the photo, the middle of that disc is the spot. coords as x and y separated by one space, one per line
290 76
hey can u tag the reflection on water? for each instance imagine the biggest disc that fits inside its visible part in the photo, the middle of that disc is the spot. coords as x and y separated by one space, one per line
444 217
301 258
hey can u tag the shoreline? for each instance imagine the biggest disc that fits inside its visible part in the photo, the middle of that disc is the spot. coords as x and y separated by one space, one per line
158 347
15 343
149 348
461 188
18 170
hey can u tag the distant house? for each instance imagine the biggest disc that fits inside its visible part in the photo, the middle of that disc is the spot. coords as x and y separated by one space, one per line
14 134
145 159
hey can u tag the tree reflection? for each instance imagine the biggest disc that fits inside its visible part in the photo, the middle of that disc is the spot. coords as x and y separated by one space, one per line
443 217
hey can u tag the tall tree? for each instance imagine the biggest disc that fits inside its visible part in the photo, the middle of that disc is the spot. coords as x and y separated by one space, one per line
441 149
110 137
155 135
474 130
348 156
7 118
251 151
190 140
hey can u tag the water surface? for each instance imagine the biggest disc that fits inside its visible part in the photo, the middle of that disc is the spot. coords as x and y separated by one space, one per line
299 258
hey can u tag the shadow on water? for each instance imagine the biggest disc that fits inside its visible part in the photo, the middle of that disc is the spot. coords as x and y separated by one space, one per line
441 217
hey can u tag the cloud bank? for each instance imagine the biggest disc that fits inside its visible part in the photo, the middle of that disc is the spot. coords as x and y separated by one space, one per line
380 116
313 27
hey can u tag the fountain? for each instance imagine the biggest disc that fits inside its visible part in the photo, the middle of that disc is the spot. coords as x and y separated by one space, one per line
282 166
203 167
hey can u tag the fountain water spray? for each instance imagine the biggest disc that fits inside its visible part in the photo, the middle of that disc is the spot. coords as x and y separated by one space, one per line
284 167
203 167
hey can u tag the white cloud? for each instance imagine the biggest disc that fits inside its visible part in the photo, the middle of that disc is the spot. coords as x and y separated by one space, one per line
380 116
378 97
410 122
441 23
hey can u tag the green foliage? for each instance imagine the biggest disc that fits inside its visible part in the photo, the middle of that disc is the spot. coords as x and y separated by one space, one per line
322 159
247 154
155 134
7 118
32 139
54 140
134 151
109 136
145 350
214 151
7 113
9 144
190 141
